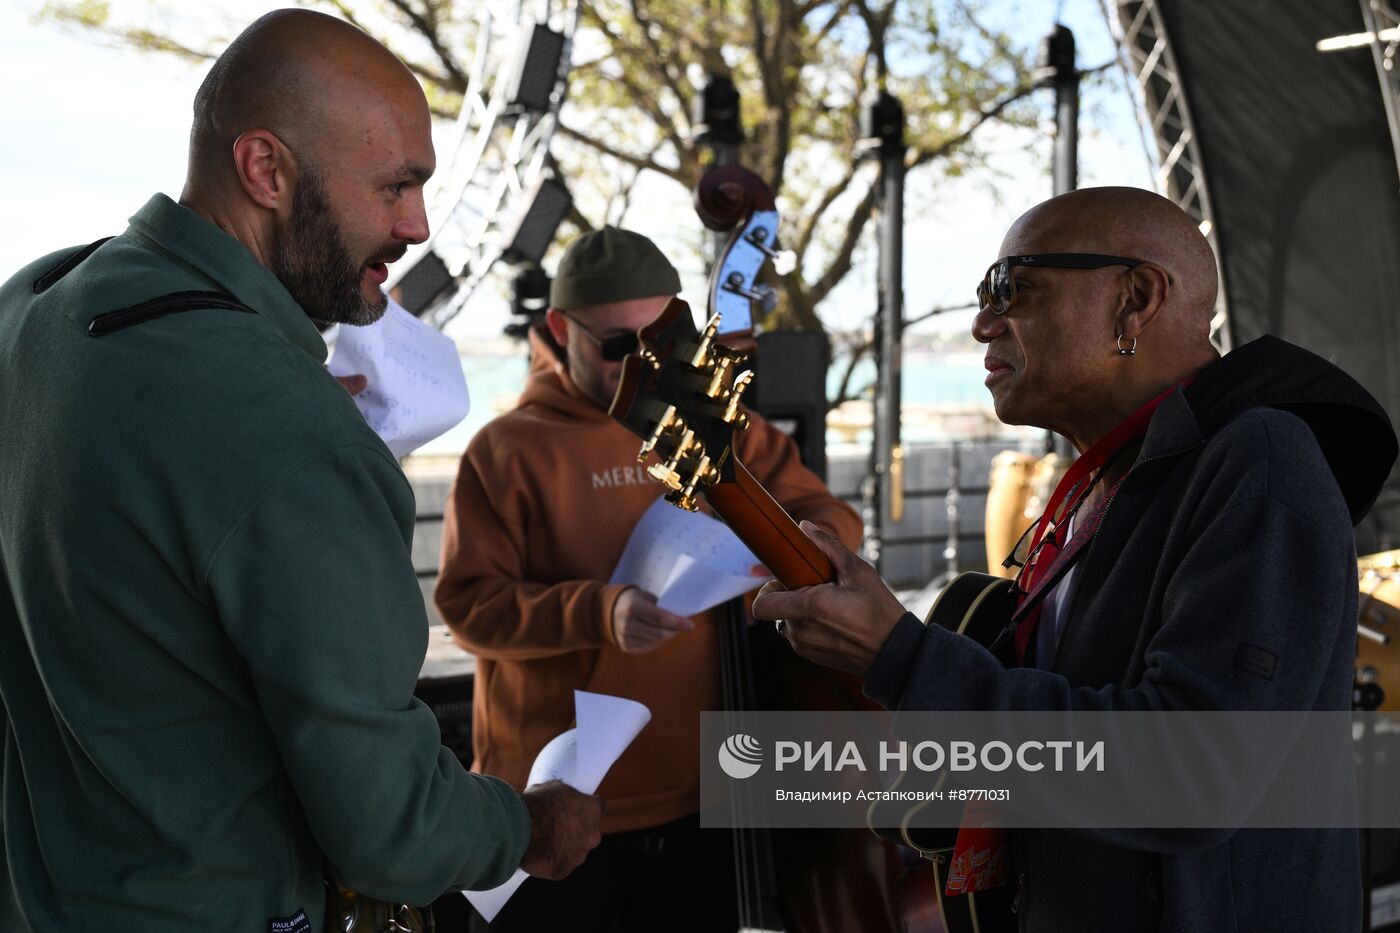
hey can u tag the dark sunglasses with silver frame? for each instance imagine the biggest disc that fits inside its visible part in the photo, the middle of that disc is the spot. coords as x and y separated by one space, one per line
614 348
997 290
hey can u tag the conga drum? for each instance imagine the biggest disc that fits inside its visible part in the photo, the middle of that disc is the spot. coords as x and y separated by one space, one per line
1008 489
1018 489
1378 632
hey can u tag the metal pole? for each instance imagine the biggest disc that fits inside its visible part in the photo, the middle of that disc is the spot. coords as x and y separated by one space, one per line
1064 78
1057 70
717 126
884 138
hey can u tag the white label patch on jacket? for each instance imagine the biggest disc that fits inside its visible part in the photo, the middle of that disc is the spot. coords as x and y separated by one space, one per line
296 923
622 476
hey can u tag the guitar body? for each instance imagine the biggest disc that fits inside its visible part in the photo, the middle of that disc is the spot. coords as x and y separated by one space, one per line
978 606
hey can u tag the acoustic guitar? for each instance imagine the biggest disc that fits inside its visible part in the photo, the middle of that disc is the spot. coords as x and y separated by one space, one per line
681 394
979 606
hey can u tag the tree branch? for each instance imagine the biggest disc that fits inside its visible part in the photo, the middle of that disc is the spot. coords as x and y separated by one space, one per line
623 196
661 59
622 50
859 350
809 224
841 262
760 46
837 15
933 312
922 156
780 105
427 24
639 162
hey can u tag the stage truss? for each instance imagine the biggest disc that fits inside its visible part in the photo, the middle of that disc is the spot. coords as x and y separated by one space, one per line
497 155
1383 29
1145 55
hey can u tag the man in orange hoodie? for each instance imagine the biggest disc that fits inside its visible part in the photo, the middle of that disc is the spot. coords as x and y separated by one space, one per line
542 507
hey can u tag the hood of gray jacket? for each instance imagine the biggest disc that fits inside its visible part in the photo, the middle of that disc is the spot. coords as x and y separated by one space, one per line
1351 427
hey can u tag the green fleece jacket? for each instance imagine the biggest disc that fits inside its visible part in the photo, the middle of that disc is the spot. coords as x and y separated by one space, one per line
210 627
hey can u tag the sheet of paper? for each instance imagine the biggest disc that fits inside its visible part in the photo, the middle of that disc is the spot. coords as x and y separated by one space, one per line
580 757
416 387
689 560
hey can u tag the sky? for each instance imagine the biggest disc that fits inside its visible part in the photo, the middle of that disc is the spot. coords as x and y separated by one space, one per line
93 131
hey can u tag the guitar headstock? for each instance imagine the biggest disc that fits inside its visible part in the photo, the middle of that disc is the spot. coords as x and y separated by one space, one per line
680 395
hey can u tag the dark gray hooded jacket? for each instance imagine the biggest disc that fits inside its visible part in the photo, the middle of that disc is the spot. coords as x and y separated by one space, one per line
1222 576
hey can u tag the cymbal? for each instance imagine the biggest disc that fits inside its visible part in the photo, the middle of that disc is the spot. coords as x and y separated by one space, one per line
1384 560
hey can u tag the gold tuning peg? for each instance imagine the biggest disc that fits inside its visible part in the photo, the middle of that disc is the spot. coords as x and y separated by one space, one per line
711 326
667 474
667 422
700 359
679 498
704 474
719 376
689 445
732 414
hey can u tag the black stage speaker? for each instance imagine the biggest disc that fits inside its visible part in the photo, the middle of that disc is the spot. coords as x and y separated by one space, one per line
1302 178
549 205
535 70
789 389
423 284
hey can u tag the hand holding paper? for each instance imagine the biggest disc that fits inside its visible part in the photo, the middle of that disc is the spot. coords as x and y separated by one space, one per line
563 829
579 757
689 560
640 625
416 390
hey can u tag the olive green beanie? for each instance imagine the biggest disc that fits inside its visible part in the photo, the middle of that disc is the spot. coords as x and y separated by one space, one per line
610 265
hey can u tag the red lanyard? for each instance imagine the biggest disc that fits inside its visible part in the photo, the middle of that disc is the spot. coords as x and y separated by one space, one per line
1051 551
980 860
1131 429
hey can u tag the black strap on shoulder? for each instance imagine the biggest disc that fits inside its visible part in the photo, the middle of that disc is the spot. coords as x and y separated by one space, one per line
111 321
175 303
42 283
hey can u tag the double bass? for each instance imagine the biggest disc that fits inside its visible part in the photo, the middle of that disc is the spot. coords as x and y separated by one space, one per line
808 880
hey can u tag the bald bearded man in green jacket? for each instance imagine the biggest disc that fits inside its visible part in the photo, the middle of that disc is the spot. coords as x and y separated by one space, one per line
210 628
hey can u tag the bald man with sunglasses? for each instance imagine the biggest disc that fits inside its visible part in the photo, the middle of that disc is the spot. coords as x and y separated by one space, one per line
544 502
1200 556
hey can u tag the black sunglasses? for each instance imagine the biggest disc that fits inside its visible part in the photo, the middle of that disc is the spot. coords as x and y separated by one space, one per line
614 348
997 290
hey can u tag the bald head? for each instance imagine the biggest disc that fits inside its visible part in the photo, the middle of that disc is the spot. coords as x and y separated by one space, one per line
1133 223
1077 348
306 77
311 145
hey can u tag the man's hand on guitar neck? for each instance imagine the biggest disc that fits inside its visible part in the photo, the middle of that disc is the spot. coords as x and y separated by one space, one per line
842 624
639 625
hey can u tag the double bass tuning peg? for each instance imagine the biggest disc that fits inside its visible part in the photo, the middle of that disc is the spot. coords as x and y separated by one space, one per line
784 260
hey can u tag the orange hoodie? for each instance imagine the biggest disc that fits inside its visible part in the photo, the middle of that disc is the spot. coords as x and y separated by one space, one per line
544 501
